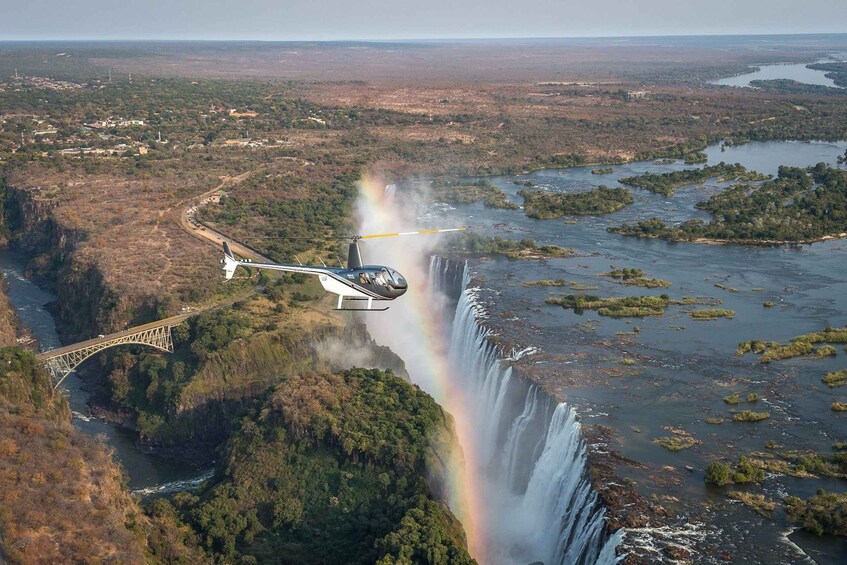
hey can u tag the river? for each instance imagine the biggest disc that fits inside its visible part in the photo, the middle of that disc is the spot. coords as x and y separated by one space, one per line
147 474
681 373
789 71
678 370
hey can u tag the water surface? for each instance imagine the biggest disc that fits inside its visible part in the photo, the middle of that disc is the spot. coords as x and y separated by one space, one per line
790 71
683 368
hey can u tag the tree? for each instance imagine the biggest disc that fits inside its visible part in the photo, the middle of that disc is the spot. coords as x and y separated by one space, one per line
717 473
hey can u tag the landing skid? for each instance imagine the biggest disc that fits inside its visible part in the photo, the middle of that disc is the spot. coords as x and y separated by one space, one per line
370 307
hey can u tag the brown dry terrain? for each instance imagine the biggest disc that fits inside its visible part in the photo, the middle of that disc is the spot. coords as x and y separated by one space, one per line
8 323
480 62
298 124
62 498
306 119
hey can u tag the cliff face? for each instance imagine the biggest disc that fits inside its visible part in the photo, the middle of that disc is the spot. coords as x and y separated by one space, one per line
30 226
86 304
61 496
8 321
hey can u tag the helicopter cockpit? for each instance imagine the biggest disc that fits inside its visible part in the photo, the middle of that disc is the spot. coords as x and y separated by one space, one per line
382 277
399 281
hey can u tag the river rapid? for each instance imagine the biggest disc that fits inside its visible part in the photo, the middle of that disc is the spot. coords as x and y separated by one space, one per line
675 371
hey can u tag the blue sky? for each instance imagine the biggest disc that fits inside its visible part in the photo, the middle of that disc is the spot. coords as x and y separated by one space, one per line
405 19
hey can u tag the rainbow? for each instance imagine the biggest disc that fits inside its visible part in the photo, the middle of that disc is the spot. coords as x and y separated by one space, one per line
423 346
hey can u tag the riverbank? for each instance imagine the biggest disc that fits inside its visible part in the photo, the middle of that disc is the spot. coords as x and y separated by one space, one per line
30 304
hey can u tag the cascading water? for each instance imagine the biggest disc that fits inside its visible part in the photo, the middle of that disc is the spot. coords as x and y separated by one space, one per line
520 489
530 456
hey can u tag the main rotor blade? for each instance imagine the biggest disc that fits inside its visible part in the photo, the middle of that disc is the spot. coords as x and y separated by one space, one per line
395 234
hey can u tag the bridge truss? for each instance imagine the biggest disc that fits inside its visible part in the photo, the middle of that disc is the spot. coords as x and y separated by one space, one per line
60 362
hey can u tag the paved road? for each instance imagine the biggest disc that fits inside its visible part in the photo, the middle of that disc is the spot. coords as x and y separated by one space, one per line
189 223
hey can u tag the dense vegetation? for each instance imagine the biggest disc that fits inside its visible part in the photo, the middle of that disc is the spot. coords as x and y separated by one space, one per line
332 469
798 346
630 306
797 206
824 513
224 361
25 388
457 192
665 183
473 244
549 205
635 277
788 86
745 471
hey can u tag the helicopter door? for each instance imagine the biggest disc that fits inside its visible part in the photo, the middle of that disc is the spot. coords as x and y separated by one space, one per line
332 285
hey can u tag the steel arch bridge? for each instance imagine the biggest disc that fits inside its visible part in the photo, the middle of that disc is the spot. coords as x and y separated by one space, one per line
61 361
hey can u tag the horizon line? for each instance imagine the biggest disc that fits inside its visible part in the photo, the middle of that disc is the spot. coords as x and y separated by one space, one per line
415 39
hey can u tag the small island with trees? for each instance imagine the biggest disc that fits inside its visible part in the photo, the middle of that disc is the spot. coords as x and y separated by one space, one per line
799 206
666 183
634 277
551 205
473 244
459 192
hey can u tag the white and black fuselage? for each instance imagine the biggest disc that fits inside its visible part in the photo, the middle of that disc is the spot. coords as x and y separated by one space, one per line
355 282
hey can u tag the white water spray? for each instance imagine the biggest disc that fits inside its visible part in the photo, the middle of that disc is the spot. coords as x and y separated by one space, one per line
529 458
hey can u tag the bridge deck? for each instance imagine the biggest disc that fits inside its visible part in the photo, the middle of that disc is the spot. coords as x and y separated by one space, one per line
172 321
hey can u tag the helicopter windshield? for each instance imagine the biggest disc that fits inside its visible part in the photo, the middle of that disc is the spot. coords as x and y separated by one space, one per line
396 279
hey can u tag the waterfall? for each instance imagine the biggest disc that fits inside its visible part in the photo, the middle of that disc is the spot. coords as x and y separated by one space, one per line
530 460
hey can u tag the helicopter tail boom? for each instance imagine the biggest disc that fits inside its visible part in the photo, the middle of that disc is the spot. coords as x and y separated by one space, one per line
229 262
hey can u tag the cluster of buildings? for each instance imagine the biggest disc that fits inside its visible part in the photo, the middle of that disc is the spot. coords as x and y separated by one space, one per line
234 112
17 82
113 123
119 149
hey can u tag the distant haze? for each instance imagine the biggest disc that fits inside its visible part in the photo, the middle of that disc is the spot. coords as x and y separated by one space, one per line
273 20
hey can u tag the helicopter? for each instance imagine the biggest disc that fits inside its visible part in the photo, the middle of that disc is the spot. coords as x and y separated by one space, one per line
356 281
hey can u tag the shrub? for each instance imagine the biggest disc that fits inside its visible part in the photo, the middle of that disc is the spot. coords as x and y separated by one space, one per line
717 473
750 416
835 378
